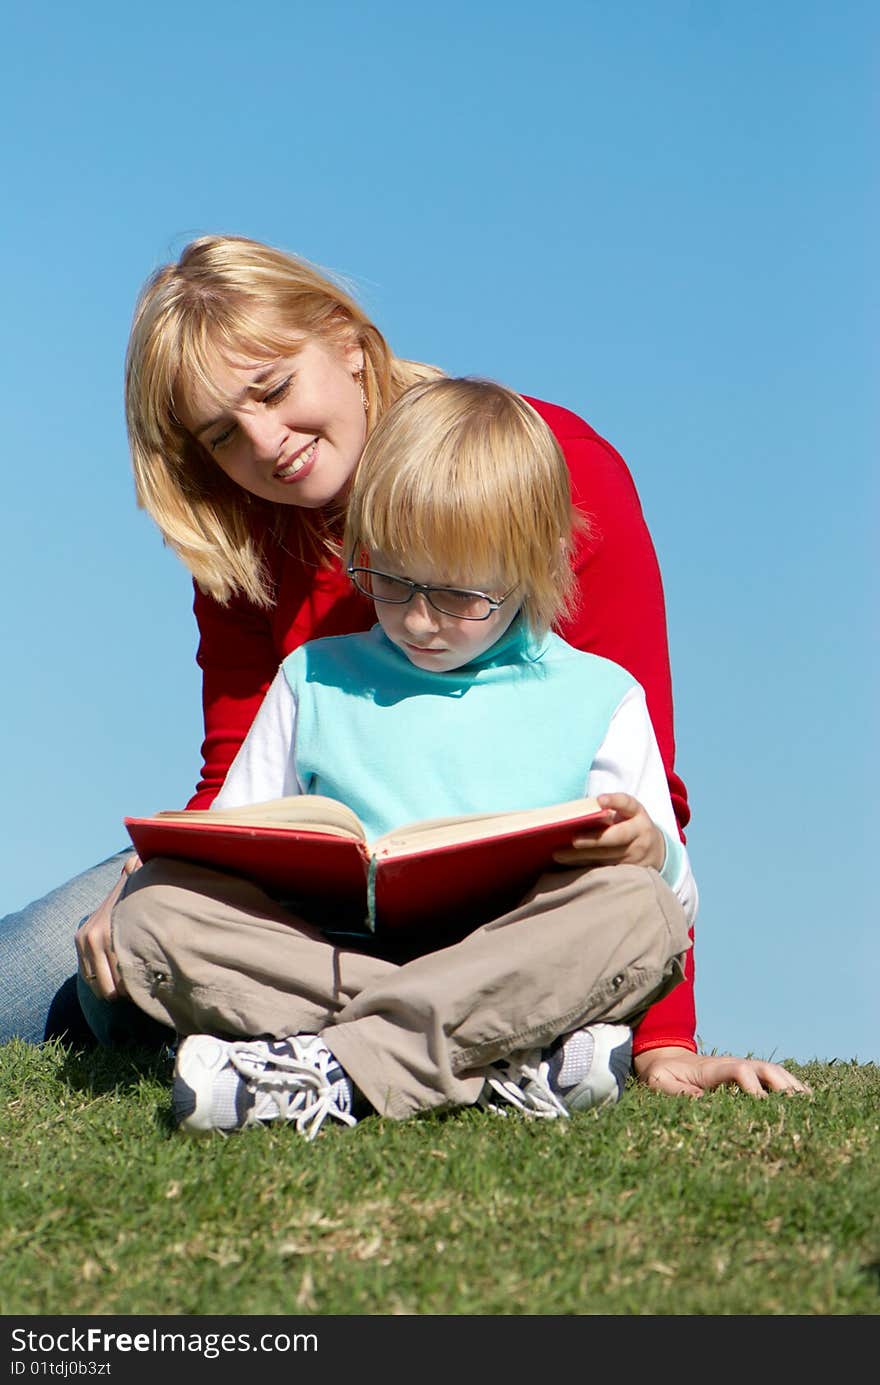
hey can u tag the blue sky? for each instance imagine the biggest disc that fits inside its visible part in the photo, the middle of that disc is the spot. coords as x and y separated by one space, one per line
657 214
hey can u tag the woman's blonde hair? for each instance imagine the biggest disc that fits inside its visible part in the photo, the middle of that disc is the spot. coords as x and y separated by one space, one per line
463 475
237 297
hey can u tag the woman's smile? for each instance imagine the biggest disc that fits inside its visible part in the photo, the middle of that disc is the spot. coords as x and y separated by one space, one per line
299 464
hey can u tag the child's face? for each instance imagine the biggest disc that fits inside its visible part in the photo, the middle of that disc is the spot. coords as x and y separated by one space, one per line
429 638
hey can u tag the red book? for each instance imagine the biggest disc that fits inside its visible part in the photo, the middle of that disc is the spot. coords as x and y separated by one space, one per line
451 873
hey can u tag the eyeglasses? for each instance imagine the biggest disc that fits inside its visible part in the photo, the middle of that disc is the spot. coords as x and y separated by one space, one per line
449 601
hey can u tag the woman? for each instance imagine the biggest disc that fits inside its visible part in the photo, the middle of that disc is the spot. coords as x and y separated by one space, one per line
252 382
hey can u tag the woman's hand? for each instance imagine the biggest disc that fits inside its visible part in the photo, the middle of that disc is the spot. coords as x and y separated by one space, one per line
631 838
678 1072
97 960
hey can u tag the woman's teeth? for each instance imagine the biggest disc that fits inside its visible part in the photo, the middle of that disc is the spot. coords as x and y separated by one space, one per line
297 463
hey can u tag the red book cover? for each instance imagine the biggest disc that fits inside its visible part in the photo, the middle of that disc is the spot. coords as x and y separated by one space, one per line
402 882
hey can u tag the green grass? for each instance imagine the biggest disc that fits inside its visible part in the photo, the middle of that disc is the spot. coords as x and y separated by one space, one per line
726 1205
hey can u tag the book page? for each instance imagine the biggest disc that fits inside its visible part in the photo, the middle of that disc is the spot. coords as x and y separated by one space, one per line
307 811
415 836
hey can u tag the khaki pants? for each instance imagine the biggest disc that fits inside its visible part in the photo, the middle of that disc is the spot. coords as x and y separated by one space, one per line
203 951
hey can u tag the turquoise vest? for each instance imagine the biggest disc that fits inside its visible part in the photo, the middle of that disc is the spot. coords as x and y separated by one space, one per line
517 728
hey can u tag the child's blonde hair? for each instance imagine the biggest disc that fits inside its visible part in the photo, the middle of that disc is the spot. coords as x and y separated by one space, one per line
464 475
235 297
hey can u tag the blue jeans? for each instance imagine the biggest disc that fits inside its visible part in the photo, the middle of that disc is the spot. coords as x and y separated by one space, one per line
40 994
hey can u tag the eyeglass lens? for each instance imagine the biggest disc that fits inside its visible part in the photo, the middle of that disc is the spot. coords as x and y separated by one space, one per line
467 605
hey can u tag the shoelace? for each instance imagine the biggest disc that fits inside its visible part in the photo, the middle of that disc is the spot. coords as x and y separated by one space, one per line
526 1086
299 1089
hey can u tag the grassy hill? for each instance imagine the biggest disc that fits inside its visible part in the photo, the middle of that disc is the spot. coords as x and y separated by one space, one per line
726 1205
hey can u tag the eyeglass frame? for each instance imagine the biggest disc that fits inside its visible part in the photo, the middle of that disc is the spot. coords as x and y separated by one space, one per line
425 589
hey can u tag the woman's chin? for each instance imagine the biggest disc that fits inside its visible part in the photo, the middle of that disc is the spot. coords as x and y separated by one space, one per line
309 499
313 493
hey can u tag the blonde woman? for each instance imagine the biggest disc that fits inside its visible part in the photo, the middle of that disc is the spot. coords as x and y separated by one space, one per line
252 383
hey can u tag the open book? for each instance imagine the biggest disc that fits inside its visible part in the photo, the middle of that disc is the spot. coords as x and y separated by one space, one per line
313 852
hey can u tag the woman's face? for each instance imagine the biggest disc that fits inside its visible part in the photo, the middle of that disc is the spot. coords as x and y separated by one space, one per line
297 426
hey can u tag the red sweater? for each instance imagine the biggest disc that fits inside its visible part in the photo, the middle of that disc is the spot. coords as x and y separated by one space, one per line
621 614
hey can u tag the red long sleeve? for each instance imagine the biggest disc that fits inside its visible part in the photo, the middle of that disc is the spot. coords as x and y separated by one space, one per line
621 614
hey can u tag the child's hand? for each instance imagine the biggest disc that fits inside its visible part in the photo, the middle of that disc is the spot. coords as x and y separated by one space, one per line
630 839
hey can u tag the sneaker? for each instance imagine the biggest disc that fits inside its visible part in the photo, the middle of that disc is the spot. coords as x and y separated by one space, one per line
225 1086
581 1071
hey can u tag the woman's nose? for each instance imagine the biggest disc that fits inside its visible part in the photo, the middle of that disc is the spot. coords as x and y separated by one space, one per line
265 432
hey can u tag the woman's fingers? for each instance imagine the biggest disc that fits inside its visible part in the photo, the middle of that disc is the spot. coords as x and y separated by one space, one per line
775 1078
750 1075
97 960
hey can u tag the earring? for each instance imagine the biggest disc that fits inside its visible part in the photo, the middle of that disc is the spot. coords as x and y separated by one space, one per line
359 376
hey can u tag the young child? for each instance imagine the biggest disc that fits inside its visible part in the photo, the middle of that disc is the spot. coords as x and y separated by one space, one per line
460 700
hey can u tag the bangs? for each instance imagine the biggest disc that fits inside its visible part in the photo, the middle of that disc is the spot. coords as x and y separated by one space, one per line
230 339
442 529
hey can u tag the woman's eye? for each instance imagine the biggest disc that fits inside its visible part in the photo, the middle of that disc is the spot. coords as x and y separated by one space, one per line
220 439
278 392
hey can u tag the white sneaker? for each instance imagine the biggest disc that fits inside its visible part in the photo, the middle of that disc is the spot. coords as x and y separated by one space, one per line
580 1071
220 1085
